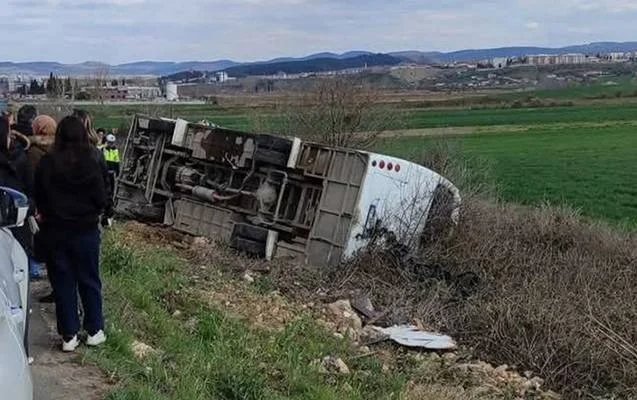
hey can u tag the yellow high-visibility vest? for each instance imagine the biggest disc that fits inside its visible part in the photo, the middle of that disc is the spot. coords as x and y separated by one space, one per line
111 155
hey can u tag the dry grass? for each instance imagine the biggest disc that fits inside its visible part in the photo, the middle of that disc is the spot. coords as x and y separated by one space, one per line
443 392
538 288
554 295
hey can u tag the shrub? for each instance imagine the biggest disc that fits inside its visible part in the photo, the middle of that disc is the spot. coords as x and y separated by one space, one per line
556 295
539 288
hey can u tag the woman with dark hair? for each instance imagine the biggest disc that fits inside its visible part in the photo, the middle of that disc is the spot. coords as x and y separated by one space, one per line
15 174
70 195
93 137
26 115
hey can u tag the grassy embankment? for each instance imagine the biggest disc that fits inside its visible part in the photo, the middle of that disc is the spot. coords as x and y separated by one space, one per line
203 352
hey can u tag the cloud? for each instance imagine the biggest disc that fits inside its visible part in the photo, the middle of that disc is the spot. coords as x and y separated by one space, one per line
130 30
611 6
532 25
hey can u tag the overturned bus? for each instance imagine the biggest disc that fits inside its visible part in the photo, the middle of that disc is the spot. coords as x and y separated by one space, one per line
274 196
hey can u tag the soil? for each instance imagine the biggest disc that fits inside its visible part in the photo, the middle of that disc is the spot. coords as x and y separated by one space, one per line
58 375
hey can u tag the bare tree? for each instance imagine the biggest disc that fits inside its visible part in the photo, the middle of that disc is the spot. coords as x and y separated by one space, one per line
100 80
339 112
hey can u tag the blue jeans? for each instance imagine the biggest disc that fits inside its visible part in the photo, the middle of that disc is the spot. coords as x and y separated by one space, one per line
34 268
74 266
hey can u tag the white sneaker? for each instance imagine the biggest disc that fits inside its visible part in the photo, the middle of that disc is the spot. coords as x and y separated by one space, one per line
97 339
71 345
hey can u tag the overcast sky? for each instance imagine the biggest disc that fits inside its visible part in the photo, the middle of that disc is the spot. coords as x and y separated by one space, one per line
119 31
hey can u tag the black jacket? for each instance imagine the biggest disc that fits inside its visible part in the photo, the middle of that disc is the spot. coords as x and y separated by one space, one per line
70 198
110 196
25 129
15 173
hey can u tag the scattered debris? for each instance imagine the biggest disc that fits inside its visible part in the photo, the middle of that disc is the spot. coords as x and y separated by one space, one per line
411 336
346 318
503 378
269 311
142 350
177 314
371 334
248 277
364 306
332 365
191 324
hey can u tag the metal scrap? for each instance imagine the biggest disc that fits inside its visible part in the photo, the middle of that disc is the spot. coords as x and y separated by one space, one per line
411 336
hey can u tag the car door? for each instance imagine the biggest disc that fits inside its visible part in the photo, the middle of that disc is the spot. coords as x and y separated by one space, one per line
14 275
15 374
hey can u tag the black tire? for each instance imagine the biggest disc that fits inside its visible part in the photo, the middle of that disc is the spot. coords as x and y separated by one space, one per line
251 232
278 144
159 125
271 157
251 247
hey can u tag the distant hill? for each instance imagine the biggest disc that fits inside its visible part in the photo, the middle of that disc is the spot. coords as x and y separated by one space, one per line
90 68
417 56
349 54
483 54
317 61
313 65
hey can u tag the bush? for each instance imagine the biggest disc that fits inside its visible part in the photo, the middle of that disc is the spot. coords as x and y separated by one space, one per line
538 288
556 295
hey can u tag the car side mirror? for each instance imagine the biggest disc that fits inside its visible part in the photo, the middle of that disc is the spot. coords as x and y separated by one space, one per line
14 207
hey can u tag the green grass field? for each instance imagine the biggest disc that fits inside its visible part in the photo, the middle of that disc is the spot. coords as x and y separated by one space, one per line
592 169
241 118
522 116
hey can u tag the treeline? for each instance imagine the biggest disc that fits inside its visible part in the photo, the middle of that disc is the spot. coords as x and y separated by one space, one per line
55 86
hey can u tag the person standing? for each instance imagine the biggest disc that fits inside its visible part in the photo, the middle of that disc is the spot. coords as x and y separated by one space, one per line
101 132
24 124
111 155
16 174
70 195
44 128
87 121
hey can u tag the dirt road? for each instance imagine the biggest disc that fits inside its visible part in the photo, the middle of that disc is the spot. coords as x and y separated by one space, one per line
56 375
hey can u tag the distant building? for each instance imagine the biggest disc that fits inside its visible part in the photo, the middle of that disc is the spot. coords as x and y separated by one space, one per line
221 76
106 92
557 59
572 58
172 93
142 92
500 62
193 91
619 56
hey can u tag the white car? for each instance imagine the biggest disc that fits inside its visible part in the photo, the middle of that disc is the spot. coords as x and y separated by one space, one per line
15 372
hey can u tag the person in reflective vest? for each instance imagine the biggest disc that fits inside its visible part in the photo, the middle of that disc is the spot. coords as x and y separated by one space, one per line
111 155
101 132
